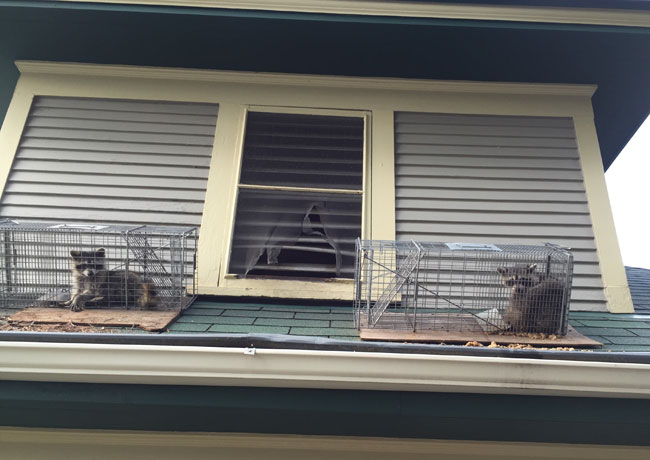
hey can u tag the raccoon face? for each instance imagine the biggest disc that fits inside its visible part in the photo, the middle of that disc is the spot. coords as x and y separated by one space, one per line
88 263
518 277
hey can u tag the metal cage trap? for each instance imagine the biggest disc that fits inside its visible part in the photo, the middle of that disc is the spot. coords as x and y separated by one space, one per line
462 287
96 265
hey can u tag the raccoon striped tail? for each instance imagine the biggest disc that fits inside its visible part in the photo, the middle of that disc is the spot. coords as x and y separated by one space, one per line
149 297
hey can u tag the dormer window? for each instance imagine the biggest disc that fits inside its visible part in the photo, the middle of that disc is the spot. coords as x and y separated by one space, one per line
300 194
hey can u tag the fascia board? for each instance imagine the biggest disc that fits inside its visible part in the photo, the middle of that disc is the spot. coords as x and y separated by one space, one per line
366 83
583 16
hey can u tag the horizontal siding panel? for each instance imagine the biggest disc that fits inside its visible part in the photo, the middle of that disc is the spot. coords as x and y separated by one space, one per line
489 217
131 106
110 168
98 215
116 146
25 188
476 161
169 118
125 158
481 120
133 203
494 228
428 204
493 179
121 162
493 184
491 151
559 196
482 140
595 295
491 173
476 130
122 126
44 177
109 136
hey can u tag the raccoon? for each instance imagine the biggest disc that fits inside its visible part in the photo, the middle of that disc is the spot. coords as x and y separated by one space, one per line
92 282
536 300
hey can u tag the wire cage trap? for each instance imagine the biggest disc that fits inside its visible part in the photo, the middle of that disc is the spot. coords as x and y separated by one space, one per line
95 265
462 287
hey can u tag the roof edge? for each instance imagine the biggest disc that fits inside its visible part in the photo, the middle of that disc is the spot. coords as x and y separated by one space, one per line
500 12
376 83
282 368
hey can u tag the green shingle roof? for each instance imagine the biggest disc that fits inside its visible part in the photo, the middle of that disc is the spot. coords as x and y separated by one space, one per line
618 332
324 320
639 281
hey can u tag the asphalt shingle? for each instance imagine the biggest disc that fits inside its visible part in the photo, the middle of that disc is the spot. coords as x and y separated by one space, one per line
639 281
618 332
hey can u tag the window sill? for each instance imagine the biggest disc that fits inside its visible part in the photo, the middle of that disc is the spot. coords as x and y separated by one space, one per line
332 289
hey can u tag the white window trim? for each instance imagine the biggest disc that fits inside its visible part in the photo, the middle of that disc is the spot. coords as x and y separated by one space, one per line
234 91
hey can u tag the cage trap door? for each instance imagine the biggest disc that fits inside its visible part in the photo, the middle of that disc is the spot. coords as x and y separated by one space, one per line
400 276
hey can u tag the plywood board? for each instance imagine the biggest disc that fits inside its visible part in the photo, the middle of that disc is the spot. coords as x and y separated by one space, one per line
572 339
149 320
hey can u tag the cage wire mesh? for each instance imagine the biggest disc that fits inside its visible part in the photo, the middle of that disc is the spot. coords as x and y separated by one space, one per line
462 287
46 264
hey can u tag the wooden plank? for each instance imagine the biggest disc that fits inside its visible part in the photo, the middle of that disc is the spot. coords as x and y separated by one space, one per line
149 320
572 339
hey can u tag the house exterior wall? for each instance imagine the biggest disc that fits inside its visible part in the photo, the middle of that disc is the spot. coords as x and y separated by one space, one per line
235 92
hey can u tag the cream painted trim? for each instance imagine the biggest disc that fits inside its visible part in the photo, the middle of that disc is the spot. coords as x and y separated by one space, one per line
11 131
187 365
218 195
203 445
418 10
382 199
612 269
261 78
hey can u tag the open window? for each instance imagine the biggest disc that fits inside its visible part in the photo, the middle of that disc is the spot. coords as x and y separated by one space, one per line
300 196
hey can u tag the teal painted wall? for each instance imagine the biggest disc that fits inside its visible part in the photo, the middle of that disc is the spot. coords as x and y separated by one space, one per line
326 412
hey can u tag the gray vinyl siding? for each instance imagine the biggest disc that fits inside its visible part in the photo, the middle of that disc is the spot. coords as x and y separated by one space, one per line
112 161
496 179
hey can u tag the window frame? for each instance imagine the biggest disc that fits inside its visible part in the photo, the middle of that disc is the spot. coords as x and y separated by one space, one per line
281 281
